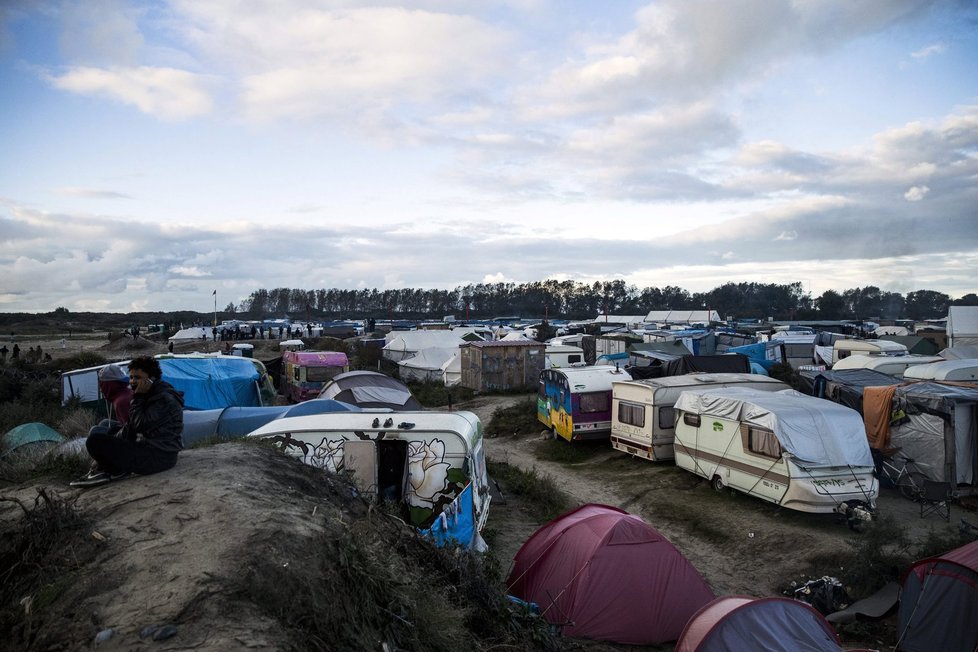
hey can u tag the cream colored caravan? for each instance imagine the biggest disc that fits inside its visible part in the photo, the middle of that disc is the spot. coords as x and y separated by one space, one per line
946 370
642 415
793 450
893 365
842 349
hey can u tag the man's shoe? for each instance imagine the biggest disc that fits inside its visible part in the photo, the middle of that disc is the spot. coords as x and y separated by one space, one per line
92 479
119 476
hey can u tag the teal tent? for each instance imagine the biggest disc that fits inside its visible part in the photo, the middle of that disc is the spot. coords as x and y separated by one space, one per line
28 433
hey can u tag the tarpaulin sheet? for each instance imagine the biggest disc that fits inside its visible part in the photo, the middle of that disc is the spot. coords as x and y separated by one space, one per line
209 383
817 432
877 411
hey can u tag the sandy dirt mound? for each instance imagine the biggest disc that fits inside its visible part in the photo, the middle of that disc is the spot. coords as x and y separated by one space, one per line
173 549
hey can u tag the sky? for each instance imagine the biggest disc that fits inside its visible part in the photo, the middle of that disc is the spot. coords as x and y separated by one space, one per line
154 153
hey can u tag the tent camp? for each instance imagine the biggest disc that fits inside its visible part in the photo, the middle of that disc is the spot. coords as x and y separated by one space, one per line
601 573
938 603
370 389
769 624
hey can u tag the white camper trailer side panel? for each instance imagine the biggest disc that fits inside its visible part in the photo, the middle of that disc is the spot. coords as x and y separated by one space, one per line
424 459
733 452
842 349
643 419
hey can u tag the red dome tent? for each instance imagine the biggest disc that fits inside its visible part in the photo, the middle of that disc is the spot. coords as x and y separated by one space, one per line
939 603
762 625
602 573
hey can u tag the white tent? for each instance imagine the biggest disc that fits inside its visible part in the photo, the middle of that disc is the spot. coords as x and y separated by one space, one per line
682 316
402 345
962 325
192 333
426 365
452 370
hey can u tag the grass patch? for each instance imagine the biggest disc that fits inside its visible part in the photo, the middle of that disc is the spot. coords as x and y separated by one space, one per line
397 591
874 558
517 419
39 554
577 452
545 500
436 395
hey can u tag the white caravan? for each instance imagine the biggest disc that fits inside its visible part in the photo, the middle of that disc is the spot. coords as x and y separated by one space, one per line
796 451
563 355
431 463
842 349
952 370
893 365
643 419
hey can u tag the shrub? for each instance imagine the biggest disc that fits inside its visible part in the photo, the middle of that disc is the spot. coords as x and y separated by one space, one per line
546 500
517 419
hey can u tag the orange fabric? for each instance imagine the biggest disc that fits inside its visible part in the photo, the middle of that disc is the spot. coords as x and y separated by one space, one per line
877 410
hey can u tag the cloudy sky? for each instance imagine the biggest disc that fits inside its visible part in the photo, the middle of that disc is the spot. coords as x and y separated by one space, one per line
153 152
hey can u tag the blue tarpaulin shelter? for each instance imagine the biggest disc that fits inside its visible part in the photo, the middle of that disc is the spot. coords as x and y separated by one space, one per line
209 383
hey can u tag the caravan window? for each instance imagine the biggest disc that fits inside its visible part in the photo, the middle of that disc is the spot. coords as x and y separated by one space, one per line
595 402
631 414
574 358
667 417
763 442
691 419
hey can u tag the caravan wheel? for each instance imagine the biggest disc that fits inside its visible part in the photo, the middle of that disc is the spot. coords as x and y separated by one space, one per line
717 484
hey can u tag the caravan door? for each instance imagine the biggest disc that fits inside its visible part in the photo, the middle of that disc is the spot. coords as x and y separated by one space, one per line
360 457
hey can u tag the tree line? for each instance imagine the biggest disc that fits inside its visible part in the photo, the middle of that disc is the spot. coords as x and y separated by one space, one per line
574 300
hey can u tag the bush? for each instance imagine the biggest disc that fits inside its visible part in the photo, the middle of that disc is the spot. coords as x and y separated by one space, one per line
546 500
432 395
517 419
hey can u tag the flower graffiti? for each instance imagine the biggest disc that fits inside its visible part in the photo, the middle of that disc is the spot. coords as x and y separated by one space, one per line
428 472
328 455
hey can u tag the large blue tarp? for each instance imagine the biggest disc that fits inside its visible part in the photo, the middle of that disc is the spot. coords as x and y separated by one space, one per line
209 383
234 422
456 524
755 353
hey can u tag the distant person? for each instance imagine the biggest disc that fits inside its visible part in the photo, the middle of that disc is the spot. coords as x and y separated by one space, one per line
38 352
3 353
15 352
150 440
169 347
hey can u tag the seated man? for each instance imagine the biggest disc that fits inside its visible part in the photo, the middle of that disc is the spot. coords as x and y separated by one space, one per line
150 440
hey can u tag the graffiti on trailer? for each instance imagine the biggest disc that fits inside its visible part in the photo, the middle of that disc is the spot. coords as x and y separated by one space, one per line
432 482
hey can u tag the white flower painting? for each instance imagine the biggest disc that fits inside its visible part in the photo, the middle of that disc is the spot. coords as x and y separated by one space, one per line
428 472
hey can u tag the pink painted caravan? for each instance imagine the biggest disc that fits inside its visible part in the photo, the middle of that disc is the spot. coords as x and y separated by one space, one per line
304 373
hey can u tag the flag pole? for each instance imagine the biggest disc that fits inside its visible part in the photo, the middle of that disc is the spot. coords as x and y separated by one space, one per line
215 308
